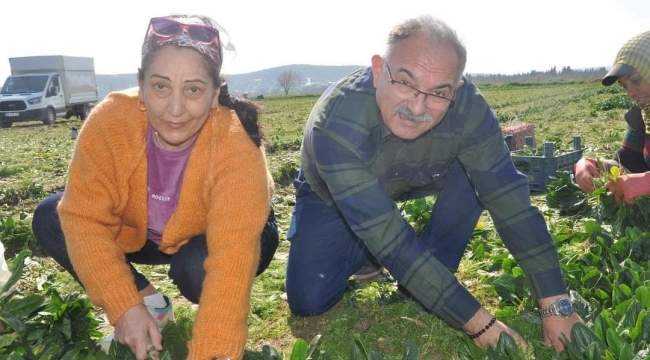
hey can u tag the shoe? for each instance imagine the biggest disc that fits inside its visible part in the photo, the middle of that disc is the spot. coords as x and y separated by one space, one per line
369 270
161 315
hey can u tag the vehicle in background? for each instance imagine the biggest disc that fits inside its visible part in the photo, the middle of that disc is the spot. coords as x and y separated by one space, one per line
43 88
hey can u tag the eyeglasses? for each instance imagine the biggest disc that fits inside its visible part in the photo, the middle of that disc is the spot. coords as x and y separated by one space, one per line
167 27
403 87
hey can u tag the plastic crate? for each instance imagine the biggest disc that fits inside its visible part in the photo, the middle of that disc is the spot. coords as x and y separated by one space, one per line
540 169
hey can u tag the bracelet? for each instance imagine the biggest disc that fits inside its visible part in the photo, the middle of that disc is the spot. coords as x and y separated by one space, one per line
482 331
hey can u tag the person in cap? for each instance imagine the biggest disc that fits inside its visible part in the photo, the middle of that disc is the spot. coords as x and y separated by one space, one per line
171 172
408 126
631 70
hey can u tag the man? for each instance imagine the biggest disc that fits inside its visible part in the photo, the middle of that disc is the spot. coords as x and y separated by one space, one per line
631 70
407 127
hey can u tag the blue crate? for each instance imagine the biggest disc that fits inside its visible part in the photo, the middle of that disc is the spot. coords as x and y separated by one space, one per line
540 169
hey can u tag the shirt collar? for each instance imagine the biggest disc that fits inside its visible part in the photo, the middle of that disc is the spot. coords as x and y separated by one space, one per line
384 130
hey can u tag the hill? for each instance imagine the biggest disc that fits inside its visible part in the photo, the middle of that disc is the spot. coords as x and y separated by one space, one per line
313 79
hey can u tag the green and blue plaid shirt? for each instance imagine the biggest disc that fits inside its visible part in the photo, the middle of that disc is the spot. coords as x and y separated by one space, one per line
352 161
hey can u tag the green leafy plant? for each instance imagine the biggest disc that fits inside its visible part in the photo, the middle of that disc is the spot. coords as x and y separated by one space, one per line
12 196
286 173
617 101
418 212
506 348
611 90
301 351
45 327
374 294
563 194
359 351
620 216
16 234
52 327
122 352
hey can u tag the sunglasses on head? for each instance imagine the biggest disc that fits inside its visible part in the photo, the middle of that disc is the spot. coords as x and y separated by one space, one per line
167 27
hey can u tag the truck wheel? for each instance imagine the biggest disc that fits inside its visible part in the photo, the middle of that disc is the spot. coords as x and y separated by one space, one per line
5 124
50 117
84 112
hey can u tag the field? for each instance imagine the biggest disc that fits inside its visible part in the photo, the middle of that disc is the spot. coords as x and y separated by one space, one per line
33 164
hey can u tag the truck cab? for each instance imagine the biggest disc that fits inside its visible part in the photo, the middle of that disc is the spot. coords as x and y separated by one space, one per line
42 88
30 97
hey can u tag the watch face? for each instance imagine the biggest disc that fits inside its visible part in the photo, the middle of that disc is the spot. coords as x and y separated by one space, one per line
564 307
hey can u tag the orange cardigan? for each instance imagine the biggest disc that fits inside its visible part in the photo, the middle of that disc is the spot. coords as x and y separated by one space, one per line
224 194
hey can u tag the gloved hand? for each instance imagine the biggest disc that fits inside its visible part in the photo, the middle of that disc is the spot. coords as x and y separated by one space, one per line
585 171
630 186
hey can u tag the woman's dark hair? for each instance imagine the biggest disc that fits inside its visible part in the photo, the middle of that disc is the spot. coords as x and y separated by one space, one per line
246 111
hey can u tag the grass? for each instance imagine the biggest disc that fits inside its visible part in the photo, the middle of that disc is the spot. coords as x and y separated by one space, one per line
35 160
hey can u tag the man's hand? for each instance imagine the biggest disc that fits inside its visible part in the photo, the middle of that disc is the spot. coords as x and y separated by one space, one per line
630 186
138 329
553 328
491 336
585 171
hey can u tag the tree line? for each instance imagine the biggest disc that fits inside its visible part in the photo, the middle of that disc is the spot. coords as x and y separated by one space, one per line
289 79
566 73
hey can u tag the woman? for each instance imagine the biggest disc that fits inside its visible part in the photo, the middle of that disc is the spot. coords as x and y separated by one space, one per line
632 71
173 173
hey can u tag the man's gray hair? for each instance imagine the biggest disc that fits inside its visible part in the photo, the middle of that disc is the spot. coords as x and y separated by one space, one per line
439 34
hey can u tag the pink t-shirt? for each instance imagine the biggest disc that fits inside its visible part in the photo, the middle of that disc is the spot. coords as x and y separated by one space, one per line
166 170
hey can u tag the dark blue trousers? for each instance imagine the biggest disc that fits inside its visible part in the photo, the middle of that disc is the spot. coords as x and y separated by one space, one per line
186 265
325 252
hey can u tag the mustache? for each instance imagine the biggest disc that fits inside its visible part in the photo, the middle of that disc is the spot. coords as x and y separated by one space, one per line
405 112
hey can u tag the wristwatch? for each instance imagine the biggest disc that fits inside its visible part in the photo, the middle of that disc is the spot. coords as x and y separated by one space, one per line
560 307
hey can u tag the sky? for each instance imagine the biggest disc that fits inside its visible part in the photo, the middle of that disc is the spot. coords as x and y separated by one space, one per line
501 36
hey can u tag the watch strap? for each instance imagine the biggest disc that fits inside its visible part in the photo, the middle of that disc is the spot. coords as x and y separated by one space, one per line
559 307
548 311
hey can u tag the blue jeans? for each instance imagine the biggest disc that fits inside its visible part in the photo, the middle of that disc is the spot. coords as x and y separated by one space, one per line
324 251
185 266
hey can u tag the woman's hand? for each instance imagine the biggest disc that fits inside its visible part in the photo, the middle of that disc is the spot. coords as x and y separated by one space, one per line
585 171
138 329
630 186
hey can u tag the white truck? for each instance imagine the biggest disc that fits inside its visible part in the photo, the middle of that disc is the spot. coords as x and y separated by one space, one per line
46 87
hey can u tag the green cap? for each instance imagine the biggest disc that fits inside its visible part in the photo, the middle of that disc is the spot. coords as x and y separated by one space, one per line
633 55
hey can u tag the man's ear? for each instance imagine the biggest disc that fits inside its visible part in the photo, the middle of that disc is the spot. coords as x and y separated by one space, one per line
377 66
460 84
